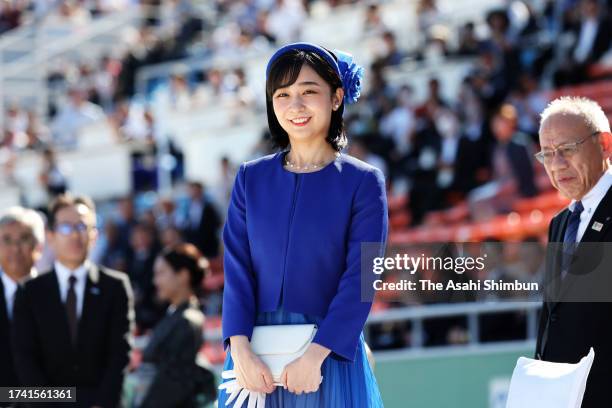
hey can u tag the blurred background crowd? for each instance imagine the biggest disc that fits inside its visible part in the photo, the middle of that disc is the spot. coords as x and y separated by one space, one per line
456 149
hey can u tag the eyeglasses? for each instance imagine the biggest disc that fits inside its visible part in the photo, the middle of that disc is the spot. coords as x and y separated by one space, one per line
25 240
66 228
566 150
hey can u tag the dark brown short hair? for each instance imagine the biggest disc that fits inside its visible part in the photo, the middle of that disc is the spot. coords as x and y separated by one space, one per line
187 256
68 200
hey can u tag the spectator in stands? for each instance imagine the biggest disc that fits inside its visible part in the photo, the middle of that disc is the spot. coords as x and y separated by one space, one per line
499 56
22 234
16 119
285 20
373 23
512 155
357 148
468 42
165 213
114 255
399 123
125 220
428 15
390 54
76 114
200 221
226 181
51 175
173 349
10 15
592 34
472 166
72 325
449 128
141 257
69 13
528 101
170 236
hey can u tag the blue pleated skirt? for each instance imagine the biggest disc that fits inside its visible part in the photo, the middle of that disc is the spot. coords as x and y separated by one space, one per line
345 384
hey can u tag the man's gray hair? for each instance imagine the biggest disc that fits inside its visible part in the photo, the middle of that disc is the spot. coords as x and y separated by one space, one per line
25 216
587 109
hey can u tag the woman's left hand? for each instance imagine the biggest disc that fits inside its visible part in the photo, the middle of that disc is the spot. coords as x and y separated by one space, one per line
304 374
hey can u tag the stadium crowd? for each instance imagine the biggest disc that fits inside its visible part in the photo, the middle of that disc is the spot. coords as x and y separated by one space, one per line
436 152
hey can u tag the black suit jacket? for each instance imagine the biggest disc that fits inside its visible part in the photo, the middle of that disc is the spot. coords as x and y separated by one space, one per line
44 353
569 327
173 349
522 166
8 376
206 236
601 43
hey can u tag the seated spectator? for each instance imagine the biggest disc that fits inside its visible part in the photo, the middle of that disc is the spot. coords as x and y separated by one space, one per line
373 24
468 42
52 176
200 221
513 153
591 36
73 117
10 15
143 251
513 170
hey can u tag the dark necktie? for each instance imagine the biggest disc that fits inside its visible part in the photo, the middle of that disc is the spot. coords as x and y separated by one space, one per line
71 308
569 239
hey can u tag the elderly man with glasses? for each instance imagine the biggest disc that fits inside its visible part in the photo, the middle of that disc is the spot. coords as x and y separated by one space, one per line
72 325
22 234
576 150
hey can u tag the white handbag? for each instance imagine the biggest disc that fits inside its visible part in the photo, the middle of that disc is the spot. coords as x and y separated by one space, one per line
279 345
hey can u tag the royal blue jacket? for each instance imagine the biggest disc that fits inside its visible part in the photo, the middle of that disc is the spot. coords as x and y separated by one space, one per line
294 241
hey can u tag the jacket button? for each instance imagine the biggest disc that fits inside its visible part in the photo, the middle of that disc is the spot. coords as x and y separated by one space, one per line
553 317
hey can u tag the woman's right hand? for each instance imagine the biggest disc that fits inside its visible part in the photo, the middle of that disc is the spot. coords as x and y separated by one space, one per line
251 373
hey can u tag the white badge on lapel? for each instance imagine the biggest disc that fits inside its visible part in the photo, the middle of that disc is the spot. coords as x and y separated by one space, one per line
94 290
597 226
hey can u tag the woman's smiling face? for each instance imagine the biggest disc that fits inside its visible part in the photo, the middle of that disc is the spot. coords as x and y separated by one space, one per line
304 108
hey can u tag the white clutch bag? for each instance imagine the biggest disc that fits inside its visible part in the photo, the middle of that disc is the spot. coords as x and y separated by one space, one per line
279 345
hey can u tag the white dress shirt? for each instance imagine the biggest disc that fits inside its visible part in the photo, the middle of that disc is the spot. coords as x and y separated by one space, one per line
63 274
195 214
10 288
591 200
588 32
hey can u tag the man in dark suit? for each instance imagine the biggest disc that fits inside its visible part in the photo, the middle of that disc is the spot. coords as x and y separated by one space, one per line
591 35
22 233
576 152
511 155
200 222
72 325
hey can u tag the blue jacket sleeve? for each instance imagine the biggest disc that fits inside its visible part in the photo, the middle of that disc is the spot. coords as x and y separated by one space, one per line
340 329
239 305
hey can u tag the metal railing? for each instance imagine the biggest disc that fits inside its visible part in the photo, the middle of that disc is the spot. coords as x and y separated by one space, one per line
416 315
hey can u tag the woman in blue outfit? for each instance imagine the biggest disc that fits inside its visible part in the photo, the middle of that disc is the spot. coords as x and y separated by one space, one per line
293 236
